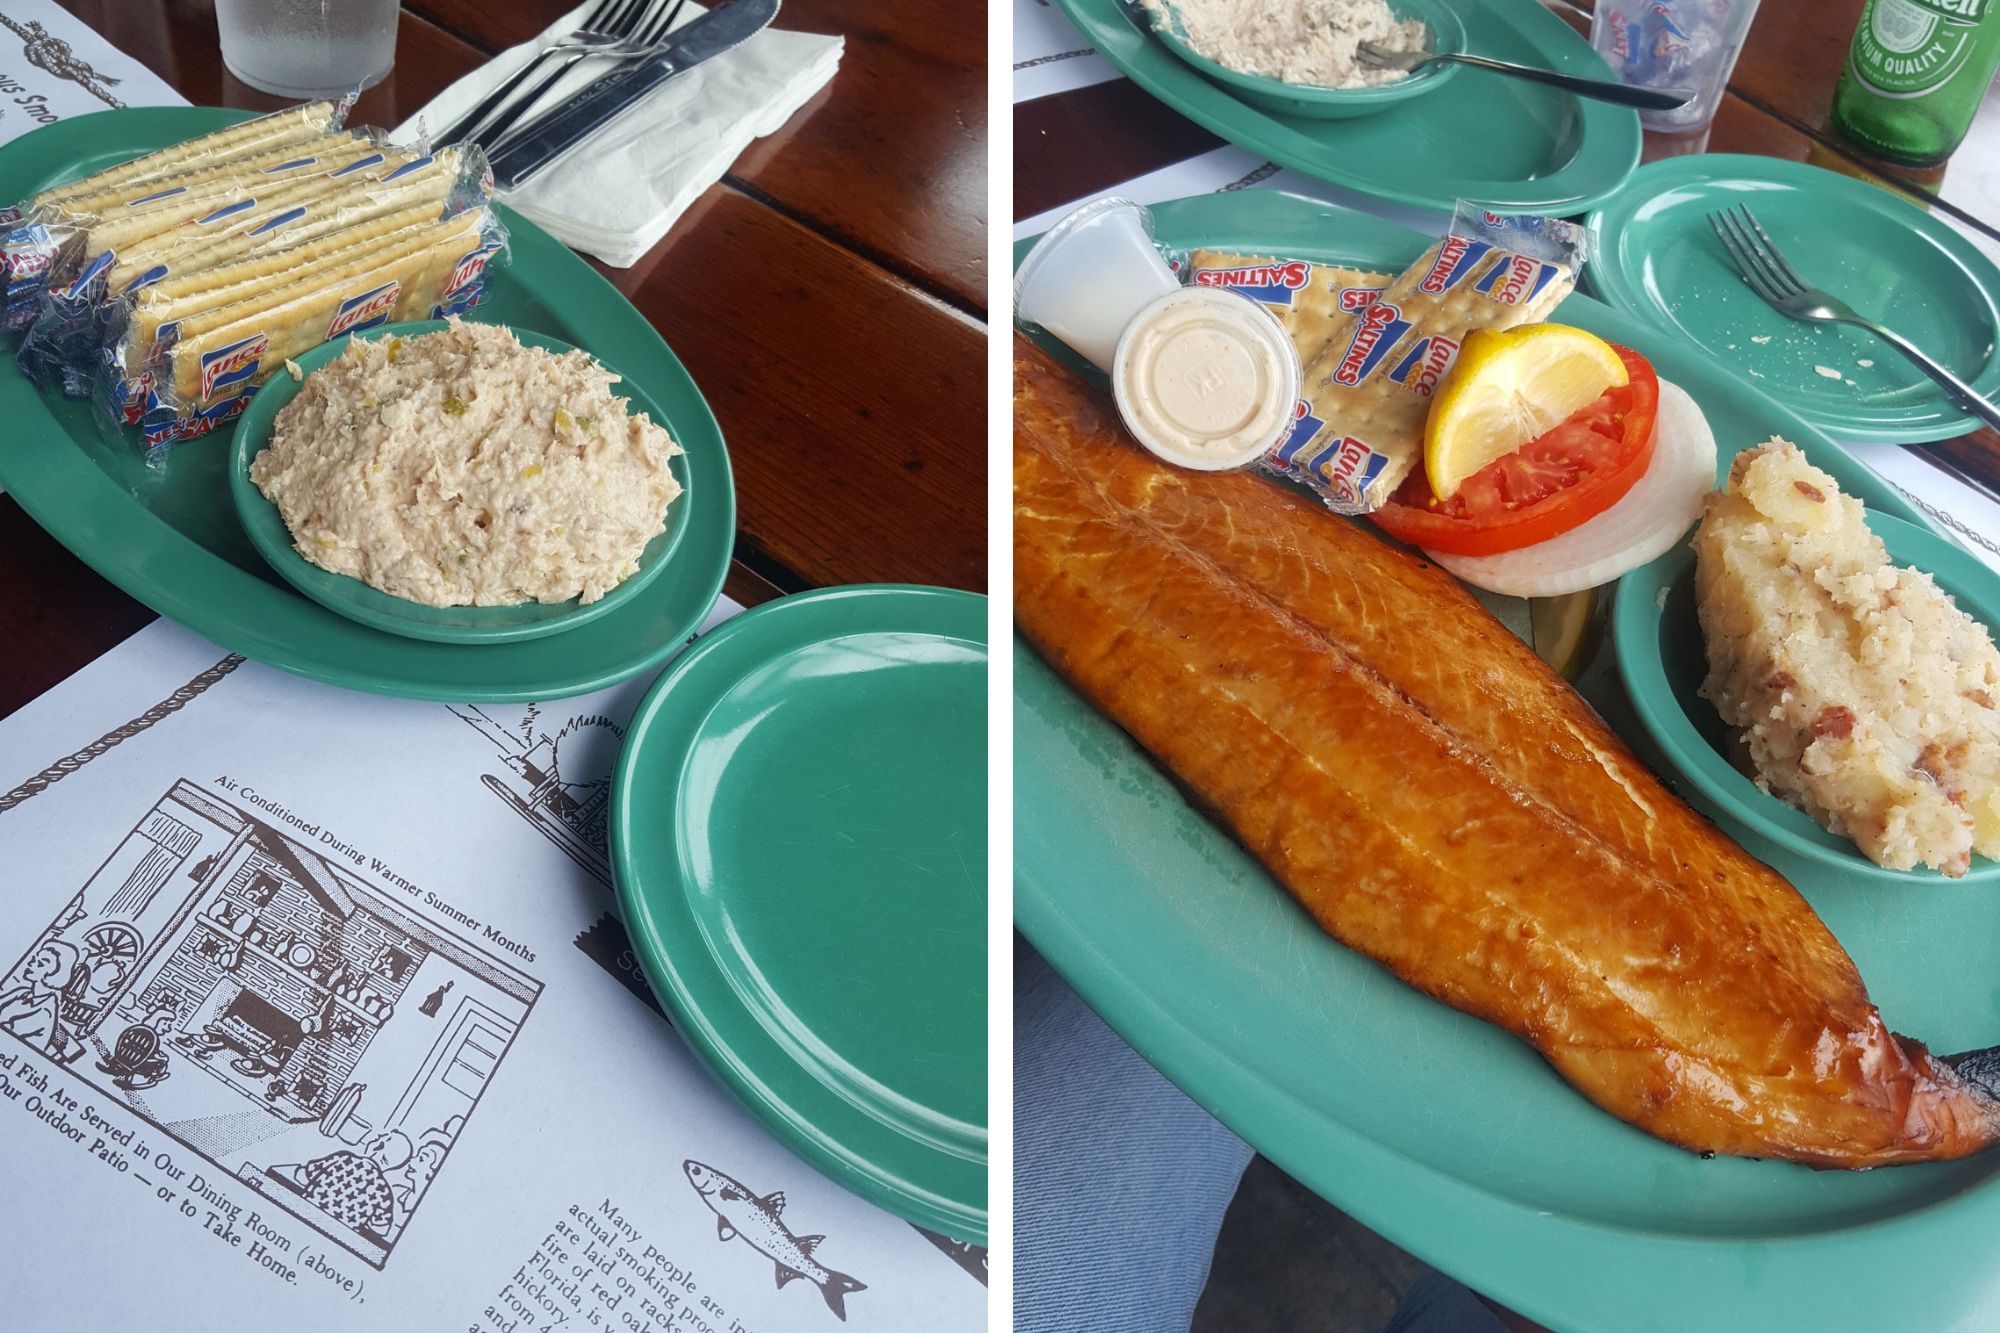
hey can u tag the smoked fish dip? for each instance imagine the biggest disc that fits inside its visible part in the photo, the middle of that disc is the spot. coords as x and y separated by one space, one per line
460 468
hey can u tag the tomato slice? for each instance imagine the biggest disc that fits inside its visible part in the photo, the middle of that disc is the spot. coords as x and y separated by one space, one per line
1551 484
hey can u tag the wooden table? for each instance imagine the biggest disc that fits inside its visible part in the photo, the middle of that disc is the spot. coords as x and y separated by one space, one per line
829 296
1779 104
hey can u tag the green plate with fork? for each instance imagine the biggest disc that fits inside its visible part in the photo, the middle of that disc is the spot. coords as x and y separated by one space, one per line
1657 258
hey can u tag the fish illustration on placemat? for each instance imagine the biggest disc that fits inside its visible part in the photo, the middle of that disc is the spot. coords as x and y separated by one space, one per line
759 1221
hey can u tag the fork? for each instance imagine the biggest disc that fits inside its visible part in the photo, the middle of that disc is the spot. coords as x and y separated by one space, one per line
654 34
606 13
1769 275
613 28
1376 56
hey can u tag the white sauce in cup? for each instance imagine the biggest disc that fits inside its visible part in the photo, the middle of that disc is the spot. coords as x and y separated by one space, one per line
1205 378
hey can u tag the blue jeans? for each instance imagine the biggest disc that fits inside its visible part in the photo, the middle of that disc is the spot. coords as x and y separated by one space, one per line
1120 1183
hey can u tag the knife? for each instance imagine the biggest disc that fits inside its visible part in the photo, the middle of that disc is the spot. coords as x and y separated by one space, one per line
544 139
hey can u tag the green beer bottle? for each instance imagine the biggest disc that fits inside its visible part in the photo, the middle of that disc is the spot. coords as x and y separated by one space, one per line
1915 76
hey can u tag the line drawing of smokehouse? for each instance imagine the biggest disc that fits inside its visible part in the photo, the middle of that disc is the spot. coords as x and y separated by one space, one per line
316 1040
570 809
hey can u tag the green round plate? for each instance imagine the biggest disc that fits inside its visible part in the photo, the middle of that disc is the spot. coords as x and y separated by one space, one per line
169 535
1438 1131
1663 659
354 599
1658 260
1314 102
1504 144
798 830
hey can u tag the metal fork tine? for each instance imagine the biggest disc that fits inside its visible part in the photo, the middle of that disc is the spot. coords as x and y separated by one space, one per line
1719 224
624 18
1752 262
1740 255
673 14
495 135
597 20
1799 284
654 26
602 13
1767 257
641 20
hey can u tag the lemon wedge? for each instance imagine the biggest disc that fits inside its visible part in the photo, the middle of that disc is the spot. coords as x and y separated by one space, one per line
1506 389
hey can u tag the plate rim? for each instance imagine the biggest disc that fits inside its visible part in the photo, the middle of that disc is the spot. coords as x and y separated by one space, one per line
254 511
1103 23
669 979
1528 1258
121 538
1612 284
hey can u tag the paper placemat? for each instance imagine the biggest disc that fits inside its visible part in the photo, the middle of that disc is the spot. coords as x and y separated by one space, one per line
52 67
1050 55
315 1013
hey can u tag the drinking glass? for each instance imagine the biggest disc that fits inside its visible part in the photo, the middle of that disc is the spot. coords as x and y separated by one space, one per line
1673 44
308 48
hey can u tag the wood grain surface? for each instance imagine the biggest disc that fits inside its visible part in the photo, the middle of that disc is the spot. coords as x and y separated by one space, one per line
829 296
890 160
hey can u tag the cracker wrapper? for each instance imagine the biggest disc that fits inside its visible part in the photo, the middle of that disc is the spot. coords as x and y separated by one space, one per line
44 238
1308 298
357 237
185 377
1372 362
170 287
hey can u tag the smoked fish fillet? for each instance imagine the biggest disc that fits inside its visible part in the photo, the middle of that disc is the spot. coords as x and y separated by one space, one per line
1443 802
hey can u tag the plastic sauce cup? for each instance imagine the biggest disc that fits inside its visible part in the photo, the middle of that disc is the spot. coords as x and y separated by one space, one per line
1089 274
1205 378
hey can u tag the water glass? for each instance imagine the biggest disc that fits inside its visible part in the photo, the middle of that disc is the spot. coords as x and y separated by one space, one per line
308 48
1673 44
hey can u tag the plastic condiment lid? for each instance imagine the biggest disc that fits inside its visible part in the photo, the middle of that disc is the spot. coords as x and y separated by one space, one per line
1205 378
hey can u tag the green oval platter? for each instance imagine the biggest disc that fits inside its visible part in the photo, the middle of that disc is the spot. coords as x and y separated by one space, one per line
1504 144
1438 1131
169 536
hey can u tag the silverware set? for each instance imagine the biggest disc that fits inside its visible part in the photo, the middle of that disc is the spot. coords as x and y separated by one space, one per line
616 30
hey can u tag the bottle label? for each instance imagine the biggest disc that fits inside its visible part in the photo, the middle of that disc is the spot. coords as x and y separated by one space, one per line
1908 48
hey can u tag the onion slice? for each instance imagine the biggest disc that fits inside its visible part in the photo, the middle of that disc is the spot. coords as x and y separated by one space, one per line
1644 524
